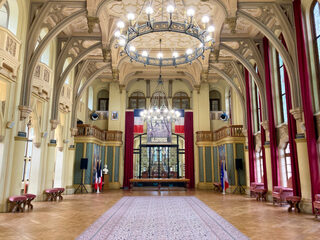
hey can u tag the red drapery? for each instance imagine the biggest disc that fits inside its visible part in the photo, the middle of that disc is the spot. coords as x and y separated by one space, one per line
306 100
292 130
189 147
249 128
128 154
263 140
272 128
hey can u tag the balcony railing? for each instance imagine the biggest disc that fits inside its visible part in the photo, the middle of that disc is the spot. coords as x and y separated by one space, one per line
86 130
228 131
9 52
41 80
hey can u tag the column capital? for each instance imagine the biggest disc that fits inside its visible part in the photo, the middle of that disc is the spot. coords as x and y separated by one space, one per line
297 113
265 125
92 21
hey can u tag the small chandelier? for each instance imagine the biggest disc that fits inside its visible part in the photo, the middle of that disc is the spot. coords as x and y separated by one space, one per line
181 21
160 109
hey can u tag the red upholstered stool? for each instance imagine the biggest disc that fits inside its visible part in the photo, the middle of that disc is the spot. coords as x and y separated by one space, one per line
30 198
261 194
17 203
60 191
316 205
52 194
294 203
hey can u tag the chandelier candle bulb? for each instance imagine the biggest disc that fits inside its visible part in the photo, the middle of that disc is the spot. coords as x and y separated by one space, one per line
189 51
211 29
132 48
175 54
120 24
117 34
144 54
170 9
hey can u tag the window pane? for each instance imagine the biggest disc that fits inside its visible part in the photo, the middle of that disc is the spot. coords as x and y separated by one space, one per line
132 103
28 170
316 14
280 60
318 44
284 108
3 17
283 88
141 103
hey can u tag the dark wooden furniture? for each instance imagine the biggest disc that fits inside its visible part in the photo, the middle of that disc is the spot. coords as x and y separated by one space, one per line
30 198
52 194
261 194
17 203
60 191
217 186
316 205
159 181
294 203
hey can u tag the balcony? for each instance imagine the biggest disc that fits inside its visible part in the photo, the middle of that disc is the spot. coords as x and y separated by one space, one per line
41 81
224 132
66 98
9 53
86 130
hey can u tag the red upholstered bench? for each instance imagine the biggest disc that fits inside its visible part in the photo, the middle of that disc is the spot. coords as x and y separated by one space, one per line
280 194
52 194
30 198
316 205
261 194
60 191
17 203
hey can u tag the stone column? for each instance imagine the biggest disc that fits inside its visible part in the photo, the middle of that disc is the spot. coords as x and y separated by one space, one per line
51 157
70 163
17 165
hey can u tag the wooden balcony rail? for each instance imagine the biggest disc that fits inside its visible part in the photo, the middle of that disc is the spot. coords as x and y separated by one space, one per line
9 52
86 130
228 131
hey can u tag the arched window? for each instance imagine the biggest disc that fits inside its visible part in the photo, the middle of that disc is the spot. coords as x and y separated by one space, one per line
45 57
90 98
259 166
281 90
285 166
137 100
103 100
215 100
159 99
4 15
13 16
181 100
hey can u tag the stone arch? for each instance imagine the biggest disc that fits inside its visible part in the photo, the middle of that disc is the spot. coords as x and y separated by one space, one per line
287 60
255 76
235 88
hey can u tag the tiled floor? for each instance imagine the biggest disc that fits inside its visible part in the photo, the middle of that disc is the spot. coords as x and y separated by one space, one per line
67 219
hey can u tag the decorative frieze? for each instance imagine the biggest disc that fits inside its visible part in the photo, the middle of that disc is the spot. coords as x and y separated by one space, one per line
41 81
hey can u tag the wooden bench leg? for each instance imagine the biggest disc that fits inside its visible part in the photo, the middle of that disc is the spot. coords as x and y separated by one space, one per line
291 206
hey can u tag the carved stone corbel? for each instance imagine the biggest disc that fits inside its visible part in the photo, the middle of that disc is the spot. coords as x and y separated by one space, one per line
121 87
197 88
54 124
297 113
25 112
74 131
92 21
232 22
265 125
215 54
115 74
106 52
204 76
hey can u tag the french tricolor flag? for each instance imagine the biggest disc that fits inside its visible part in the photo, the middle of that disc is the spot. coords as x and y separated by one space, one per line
138 121
179 124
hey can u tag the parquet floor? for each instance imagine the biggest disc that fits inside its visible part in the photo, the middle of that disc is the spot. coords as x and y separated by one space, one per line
69 218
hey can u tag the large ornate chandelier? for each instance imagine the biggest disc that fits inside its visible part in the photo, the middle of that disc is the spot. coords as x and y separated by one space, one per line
174 20
160 109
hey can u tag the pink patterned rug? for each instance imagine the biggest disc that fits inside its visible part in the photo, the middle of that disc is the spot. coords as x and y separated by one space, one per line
161 218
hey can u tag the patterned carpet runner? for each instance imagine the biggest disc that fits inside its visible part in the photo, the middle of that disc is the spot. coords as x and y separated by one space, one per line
161 218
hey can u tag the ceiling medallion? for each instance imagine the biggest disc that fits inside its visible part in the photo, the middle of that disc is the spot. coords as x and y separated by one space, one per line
175 20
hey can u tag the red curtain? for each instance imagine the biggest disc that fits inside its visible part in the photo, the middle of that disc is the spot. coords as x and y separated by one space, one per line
189 147
272 128
263 141
128 154
306 100
249 128
292 130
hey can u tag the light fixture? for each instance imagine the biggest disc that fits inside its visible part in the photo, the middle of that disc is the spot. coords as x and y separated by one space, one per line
201 34
189 51
120 24
149 10
132 48
160 109
170 8
144 53
190 12
205 19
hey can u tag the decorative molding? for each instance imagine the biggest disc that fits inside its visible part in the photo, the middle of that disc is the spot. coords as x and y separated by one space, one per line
232 22
54 124
25 112
92 21
265 125
297 113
